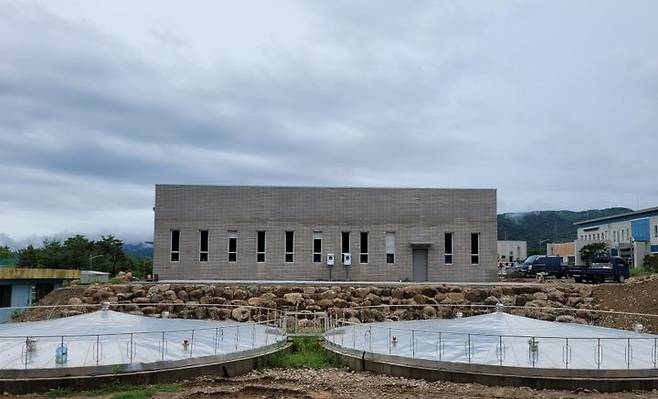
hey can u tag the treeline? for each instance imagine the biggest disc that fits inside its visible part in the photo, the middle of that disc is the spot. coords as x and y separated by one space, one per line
79 252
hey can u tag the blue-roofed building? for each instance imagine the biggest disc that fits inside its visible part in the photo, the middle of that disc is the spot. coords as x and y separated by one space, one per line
630 235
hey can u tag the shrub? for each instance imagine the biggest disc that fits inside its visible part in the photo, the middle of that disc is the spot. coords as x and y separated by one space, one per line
650 263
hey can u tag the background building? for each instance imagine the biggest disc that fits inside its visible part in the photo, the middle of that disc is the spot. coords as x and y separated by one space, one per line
512 251
291 233
566 250
21 287
630 235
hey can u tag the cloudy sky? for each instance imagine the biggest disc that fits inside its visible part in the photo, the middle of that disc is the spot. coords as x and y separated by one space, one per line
554 103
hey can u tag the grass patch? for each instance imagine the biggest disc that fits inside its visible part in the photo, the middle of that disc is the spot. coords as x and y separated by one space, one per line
119 391
305 352
641 272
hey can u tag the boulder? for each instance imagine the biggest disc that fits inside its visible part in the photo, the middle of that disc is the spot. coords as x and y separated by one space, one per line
293 298
454 298
183 296
375 300
475 295
241 313
239 293
328 294
75 301
491 300
196 294
340 303
362 292
429 312
541 296
148 310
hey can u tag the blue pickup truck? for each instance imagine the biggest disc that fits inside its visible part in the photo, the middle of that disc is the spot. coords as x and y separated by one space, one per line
551 265
602 269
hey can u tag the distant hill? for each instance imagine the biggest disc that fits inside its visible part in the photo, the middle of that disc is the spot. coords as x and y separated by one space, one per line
139 250
556 226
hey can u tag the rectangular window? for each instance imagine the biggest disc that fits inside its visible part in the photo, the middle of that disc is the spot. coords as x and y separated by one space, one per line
175 245
448 249
233 246
363 257
203 245
345 244
317 247
475 248
260 247
389 241
290 245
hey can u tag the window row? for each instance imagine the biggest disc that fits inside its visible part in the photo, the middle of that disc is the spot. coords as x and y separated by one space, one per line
289 245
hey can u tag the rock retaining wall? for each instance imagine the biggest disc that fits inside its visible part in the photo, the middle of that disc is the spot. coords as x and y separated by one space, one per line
362 304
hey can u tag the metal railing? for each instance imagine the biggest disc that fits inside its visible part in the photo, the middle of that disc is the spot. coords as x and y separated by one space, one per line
539 351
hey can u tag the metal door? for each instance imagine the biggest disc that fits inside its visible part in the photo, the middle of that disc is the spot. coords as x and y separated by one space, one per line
420 264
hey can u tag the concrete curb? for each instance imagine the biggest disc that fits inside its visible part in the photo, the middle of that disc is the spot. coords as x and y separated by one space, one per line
600 380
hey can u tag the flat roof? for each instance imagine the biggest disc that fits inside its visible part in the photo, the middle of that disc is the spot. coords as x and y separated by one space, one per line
622 216
18 273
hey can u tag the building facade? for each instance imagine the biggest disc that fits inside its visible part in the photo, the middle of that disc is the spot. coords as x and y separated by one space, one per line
313 233
630 235
510 252
565 250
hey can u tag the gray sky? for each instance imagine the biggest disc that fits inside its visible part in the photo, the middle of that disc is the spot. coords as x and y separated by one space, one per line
554 103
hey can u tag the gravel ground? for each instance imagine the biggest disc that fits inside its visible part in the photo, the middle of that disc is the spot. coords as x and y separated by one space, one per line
339 383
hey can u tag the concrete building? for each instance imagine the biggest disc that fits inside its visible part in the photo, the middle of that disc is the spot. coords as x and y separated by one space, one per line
566 250
313 233
510 252
630 235
21 287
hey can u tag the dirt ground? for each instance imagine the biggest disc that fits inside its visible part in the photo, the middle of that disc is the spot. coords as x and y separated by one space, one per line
344 384
638 295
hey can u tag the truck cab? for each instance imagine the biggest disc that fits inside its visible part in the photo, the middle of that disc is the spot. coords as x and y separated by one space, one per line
551 265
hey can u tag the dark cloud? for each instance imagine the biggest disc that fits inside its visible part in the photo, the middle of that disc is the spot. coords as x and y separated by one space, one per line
552 103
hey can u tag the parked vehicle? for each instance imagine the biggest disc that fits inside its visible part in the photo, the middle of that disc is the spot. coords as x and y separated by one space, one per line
551 265
606 268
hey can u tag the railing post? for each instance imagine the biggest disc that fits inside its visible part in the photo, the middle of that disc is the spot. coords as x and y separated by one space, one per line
192 344
655 351
253 335
164 350
237 337
413 343
440 345
98 344
354 336
469 348
389 340
599 351
500 349
216 340
370 338
131 347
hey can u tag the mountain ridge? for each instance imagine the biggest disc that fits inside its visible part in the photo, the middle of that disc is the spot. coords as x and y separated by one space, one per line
547 226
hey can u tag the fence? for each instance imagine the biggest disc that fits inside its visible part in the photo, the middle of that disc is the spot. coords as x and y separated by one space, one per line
176 343
501 350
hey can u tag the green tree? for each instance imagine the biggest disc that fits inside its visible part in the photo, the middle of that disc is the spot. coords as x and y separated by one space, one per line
112 257
5 252
593 250
28 256
52 255
76 252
